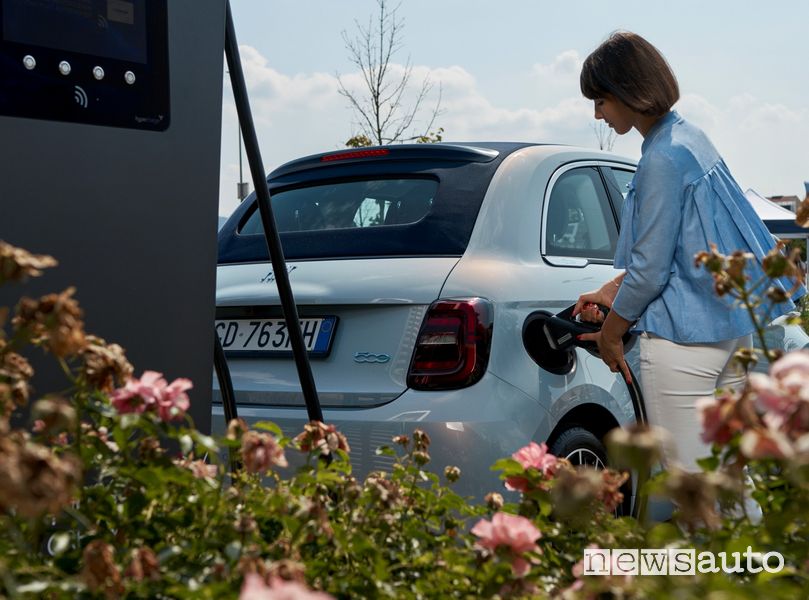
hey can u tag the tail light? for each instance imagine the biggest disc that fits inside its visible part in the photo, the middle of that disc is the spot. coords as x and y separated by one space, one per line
452 348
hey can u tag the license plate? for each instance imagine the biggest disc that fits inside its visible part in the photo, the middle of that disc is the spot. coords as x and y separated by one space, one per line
271 336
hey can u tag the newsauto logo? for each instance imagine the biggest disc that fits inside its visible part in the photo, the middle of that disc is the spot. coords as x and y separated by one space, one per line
677 561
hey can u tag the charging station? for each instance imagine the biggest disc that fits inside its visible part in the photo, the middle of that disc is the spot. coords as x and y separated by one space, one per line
110 129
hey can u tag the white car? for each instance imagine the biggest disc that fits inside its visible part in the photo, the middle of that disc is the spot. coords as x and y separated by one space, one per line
415 268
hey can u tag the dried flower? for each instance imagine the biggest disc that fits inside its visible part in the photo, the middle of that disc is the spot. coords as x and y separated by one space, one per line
261 452
54 322
575 492
237 428
421 439
324 439
638 446
494 501
776 264
736 265
33 480
512 532
55 414
695 495
452 473
245 524
15 372
288 570
802 214
746 357
387 492
144 565
105 365
199 468
17 264
420 457
713 261
401 440
610 493
99 571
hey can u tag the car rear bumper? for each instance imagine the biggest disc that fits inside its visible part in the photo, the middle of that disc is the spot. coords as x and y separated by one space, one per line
469 428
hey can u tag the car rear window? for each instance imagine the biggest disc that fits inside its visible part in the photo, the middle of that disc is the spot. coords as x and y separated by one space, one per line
376 203
415 200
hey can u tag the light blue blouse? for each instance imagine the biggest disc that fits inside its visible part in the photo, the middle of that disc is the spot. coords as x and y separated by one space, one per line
681 199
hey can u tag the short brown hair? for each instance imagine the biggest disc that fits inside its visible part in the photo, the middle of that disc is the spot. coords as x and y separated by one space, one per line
630 69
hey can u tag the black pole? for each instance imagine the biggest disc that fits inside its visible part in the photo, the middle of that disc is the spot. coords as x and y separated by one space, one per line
220 364
268 221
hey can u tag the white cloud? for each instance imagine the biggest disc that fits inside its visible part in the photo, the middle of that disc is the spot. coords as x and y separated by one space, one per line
764 143
565 66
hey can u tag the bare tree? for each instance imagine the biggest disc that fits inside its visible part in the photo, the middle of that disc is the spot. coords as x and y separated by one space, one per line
383 114
604 135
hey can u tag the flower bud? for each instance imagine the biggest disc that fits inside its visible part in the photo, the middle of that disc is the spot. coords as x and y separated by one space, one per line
421 458
776 295
452 473
494 501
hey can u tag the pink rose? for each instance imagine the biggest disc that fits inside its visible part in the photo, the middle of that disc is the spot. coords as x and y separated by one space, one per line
793 362
536 456
152 393
174 402
532 456
719 419
759 444
254 588
516 533
770 396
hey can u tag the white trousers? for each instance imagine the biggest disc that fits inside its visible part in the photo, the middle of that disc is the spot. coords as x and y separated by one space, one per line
674 376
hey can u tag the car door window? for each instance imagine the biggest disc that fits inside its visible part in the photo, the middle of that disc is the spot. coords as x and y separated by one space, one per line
618 181
579 220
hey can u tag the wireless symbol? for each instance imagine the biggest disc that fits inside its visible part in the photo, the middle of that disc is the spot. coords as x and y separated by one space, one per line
102 22
80 96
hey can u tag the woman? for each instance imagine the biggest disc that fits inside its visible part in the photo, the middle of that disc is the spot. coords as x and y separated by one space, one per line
682 199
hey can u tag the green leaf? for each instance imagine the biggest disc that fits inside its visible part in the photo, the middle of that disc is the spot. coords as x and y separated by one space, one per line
269 426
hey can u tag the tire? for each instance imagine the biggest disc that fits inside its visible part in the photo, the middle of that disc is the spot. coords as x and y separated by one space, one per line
582 448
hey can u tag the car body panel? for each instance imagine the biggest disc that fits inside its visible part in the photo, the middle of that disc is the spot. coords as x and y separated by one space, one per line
381 302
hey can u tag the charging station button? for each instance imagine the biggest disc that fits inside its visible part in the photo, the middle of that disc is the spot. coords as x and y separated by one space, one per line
129 77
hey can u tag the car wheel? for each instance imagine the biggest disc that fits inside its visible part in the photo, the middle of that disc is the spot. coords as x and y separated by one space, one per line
582 448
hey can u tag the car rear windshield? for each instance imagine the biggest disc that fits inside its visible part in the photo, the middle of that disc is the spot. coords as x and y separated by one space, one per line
418 200
378 203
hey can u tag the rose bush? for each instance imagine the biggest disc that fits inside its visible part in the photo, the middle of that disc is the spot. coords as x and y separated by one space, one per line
108 491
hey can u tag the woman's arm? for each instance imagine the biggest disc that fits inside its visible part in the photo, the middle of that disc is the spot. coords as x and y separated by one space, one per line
659 193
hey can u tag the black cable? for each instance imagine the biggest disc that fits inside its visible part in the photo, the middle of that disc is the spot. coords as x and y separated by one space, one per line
271 236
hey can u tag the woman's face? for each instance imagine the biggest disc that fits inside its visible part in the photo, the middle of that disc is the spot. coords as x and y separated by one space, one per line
615 113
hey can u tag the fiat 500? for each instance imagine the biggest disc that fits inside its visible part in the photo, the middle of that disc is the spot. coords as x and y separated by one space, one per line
414 269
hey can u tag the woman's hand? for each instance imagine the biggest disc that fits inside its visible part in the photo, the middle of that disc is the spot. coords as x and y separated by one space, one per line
610 344
603 295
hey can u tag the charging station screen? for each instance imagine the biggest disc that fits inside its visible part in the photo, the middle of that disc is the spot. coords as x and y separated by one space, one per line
114 29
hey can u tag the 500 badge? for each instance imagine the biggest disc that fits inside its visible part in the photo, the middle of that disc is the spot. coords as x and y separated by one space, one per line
370 357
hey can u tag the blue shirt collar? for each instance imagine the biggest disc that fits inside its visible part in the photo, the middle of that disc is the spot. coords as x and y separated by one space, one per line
662 123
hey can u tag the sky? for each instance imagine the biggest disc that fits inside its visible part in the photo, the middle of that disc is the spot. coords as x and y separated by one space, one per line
509 71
